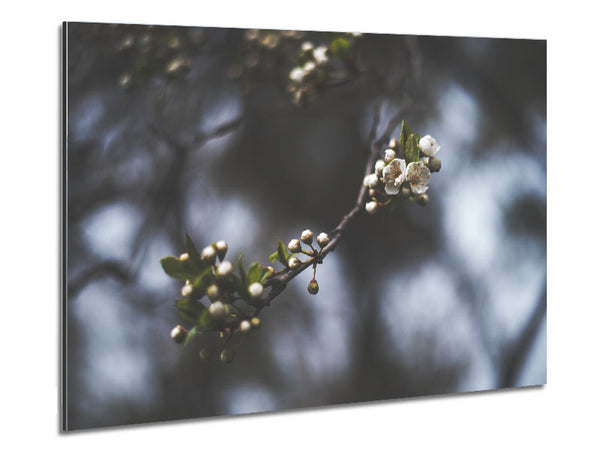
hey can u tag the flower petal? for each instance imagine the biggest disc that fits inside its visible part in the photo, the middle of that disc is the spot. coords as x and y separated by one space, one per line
390 189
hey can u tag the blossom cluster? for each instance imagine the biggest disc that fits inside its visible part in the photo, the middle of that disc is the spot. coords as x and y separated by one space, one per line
318 65
295 246
215 297
405 169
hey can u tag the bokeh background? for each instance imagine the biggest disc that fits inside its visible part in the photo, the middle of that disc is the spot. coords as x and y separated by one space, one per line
174 130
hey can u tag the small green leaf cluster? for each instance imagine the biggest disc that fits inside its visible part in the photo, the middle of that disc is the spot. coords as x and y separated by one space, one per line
217 296
405 169
317 67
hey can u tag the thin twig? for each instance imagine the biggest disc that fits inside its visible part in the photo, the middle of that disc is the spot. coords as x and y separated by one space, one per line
279 282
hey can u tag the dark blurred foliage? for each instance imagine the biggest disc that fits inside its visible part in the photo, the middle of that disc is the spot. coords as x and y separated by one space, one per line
174 130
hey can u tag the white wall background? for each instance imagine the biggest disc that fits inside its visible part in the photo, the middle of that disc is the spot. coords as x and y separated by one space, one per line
563 413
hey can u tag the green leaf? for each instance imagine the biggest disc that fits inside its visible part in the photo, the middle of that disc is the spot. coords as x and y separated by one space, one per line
405 132
195 331
340 46
190 309
411 152
190 248
176 268
203 281
243 274
273 256
282 253
255 273
205 321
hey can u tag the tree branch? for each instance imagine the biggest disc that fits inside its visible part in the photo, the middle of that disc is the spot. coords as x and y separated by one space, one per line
278 283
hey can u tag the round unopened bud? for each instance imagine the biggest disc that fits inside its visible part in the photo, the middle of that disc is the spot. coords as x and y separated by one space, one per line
379 165
307 237
227 355
371 207
221 247
294 263
323 239
435 164
389 155
186 290
217 310
371 180
224 269
307 46
184 257
295 246
313 287
204 354
178 334
209 254
213 292
255 322
255 290
245 327
394 144
422 199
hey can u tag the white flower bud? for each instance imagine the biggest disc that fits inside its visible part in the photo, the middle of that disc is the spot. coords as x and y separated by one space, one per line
371 180
297 74
209 254
221 249
371 207
227 355
323 239
255 290
245 326
186 290
213 292
307 46
178 334
295 246
224 269
429 146
255 322
184 257
307 237
379 165
394 144
294 262
217 310
389 155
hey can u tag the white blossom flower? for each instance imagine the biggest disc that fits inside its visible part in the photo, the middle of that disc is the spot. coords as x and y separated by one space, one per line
389 155
323 239
309 67
255 290
392 173
297 74
418 177
224 268
320 54
379 165
370 207
371 180
429 146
